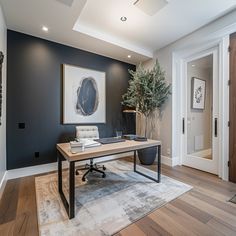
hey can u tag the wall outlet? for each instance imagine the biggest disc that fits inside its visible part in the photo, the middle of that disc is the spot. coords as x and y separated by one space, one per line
168 151
36 154
21 125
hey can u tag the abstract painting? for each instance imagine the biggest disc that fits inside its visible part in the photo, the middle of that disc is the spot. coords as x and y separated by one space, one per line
1 96
84 95
198 93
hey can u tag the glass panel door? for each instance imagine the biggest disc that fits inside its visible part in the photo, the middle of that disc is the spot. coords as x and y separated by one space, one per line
200 104
200 107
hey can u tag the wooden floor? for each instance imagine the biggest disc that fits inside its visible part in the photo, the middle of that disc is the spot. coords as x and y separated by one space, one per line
204 210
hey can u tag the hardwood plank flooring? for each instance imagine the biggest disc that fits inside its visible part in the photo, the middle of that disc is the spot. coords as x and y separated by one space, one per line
18 212
204 210
9 201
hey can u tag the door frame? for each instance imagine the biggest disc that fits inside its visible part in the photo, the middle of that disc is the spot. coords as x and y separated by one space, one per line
178 70
196 162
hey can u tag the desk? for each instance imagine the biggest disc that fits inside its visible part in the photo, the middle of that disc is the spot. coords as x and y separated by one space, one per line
63 152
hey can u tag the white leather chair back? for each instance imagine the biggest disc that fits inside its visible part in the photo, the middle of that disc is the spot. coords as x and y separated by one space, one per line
90 132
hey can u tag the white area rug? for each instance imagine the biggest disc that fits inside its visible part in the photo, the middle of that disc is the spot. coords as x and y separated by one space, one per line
103 206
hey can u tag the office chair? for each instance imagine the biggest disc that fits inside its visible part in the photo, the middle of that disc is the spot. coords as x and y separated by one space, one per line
89 132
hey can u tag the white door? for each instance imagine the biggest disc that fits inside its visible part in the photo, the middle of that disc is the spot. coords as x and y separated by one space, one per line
200 112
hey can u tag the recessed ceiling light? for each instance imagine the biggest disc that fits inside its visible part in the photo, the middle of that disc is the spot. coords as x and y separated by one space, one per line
123 18
193 65
44 28
129 56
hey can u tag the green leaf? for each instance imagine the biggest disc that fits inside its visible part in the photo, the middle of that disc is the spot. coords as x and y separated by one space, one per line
147 90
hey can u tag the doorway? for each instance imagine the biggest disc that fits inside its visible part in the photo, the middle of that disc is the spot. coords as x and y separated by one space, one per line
232 110
200 112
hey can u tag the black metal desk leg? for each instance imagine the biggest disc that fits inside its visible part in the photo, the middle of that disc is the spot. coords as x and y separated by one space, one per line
69 206
59 161
72 190
158 178
135 161
159 163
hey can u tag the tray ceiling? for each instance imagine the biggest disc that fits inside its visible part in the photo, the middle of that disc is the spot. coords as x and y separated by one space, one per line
95 25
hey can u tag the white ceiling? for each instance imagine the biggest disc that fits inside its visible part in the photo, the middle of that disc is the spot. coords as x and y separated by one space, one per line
94 25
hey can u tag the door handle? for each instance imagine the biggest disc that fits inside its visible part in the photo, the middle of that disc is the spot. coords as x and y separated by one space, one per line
183 126
216 127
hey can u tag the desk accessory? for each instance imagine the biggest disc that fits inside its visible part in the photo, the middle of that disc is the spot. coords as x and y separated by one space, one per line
76 147
140 139
110 140
129 136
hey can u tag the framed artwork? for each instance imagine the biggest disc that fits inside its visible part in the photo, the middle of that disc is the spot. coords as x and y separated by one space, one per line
1 96
198 93
84 95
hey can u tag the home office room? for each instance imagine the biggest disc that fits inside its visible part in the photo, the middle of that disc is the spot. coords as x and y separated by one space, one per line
117 117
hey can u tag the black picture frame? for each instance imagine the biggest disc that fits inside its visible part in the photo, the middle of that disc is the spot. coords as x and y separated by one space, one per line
200 106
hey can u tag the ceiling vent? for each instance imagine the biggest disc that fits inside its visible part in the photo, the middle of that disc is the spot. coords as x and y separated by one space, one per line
66 2
150 7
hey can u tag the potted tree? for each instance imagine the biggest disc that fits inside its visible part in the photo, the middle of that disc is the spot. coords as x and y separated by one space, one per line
147 92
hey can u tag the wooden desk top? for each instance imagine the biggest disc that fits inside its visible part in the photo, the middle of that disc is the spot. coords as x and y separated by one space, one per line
104 150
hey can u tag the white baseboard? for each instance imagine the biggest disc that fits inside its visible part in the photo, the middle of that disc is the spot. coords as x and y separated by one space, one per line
174 161
39 169
166 160
3 183
32 170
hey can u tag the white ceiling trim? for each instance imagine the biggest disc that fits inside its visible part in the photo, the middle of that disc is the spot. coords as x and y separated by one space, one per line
95 26
112 40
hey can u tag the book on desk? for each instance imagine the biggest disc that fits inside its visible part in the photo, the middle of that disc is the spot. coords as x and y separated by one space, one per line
80 144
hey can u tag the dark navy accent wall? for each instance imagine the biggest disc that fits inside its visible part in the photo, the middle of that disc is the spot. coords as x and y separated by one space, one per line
34 97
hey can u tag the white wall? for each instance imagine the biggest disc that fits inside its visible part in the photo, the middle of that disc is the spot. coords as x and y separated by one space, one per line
163 126
206 35
3 42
